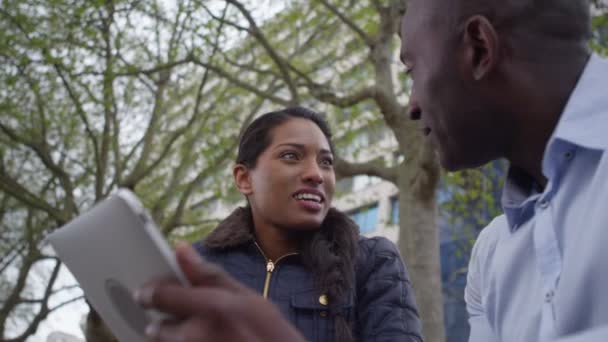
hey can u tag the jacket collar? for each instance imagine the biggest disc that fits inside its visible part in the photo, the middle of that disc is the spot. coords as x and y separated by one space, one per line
237 229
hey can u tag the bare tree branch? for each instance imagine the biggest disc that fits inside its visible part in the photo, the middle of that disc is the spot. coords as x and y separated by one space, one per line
144 171
44 309
19 192
224 20
374 167
346 101
359 31
14 252
108 100
241 84
12 300
134 71
378 5
41 150
278 60
174 220
67 302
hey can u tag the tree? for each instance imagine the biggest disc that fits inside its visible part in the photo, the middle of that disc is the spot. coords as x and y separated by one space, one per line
340 56
151 96
95 96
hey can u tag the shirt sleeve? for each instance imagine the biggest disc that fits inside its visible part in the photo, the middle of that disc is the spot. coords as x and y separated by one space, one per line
481 331
598 334
386 308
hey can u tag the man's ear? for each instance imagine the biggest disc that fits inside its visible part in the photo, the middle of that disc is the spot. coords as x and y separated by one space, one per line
242 179
481 46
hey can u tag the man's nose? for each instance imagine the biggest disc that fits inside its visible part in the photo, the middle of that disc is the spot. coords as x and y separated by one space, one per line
413 109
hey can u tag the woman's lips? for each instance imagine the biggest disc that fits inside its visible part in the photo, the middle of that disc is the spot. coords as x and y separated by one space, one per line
311 206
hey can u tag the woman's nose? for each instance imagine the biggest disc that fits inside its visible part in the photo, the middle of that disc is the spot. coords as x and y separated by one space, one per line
313 173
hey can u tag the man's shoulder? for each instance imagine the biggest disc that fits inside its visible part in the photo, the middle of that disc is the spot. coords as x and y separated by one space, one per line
479 264
486 245
489 236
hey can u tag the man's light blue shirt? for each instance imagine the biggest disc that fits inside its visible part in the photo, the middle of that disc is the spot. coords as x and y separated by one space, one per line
540 272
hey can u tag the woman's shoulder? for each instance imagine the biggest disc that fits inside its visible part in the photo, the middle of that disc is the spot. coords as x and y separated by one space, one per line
378 257
372 247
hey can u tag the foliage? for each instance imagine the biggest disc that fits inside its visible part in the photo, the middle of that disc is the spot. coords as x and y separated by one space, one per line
99 95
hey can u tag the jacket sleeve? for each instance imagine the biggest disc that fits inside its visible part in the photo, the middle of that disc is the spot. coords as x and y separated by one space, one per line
386 308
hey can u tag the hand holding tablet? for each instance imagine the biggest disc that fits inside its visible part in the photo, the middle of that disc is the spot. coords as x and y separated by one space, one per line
143 291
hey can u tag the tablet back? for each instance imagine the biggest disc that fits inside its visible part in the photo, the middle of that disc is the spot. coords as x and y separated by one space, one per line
111 250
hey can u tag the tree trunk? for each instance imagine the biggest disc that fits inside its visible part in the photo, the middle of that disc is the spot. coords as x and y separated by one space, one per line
96 329
419 244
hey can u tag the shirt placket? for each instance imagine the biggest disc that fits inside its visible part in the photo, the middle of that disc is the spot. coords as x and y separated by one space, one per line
549 263
546 246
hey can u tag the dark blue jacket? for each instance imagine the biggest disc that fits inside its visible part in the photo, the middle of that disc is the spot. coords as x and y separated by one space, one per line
381 308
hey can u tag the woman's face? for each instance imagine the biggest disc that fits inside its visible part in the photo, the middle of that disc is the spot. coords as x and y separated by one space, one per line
293 182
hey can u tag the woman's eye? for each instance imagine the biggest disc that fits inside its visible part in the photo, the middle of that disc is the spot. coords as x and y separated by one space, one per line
327 161
289 156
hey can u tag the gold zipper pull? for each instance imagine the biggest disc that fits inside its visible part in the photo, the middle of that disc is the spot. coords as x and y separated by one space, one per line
269 269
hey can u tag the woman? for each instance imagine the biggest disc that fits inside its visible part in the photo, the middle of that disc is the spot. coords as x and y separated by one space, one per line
290 246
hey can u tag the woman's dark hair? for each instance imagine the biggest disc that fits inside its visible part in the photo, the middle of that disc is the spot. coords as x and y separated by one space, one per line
329 252
257 136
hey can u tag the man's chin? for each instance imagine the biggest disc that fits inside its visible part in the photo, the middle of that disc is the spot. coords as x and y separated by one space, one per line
451 162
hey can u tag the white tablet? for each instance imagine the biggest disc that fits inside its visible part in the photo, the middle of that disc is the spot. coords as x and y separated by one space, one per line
112 250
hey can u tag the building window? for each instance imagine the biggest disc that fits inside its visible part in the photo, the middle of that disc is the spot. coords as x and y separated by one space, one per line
366 218
394 210
344 186
361 182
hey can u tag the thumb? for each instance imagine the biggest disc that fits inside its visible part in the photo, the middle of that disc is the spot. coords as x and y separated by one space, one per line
199 272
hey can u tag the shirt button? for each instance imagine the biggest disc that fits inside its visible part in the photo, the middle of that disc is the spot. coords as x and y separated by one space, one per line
569 155
549 296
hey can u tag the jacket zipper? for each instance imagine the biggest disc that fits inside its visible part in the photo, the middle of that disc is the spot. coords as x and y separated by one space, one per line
270 266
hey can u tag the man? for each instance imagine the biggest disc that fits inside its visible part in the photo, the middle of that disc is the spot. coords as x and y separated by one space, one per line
492 79
515 79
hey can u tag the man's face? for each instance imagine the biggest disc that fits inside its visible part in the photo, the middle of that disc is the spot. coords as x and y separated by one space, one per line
444 97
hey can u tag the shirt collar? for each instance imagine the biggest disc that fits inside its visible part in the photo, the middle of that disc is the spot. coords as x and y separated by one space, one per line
518 197
582 123
585 117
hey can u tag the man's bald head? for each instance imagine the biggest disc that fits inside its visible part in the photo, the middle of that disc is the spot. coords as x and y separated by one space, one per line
475 64
567 20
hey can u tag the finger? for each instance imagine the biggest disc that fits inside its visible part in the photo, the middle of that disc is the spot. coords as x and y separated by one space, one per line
178 331
180 301
200 272
144 294
154 328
